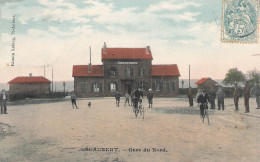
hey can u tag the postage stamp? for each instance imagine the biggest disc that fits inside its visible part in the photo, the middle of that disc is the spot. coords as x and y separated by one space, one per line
240 21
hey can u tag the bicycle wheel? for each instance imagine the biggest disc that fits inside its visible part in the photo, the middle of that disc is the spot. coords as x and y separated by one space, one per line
207 114
143 112
203 115
136 112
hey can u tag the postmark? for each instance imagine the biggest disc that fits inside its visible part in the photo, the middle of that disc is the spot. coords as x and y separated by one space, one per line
240 21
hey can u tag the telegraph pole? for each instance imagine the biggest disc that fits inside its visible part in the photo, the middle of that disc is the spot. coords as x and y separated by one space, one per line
52 78
189 76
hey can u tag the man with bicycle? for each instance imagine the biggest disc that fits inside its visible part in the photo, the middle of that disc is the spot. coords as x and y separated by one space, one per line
137 96
203 100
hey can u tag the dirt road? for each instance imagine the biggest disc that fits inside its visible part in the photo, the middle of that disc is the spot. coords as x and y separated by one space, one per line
171 131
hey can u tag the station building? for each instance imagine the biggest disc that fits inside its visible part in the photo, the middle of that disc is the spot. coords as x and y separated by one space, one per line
124 70
29 85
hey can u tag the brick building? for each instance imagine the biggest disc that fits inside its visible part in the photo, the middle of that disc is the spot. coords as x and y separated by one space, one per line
29 85
206 83
124 70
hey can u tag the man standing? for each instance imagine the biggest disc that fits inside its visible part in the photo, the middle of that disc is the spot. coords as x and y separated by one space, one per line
212 96
221 96
3 102
73 100
150 98
117 96
257 94
190 96
127 98
236 96
246 97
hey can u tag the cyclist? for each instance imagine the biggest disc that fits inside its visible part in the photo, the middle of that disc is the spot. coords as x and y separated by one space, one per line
137 96
203 100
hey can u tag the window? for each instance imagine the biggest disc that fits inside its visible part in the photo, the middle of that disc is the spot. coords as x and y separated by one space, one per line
170 86
83 87
113 71
173 86
142 85
112 87
157 86
96 87
142 72
129 72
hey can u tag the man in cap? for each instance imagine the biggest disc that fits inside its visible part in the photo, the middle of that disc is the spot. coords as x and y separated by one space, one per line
221 96
73 100
3 99
150 98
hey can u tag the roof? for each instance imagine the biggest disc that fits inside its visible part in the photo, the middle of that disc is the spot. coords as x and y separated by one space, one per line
202 80
165 70
82 71
126 53
27 79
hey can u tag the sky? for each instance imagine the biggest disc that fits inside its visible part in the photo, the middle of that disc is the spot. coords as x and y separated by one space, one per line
58 34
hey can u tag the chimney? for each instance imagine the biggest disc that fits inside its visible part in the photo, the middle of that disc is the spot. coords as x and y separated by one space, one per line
89 67
148 50
105 47
30 74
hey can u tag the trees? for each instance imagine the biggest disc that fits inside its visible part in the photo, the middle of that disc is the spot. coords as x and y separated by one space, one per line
253 76
234 76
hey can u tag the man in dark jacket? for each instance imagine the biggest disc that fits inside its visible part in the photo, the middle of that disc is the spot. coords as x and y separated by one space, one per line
117 96
247 96
3 99
73 100
190 96
221 96
236 96
137 95
257 94
212 96
202 100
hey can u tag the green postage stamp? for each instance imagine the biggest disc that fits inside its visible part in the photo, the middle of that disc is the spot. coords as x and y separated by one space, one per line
240 21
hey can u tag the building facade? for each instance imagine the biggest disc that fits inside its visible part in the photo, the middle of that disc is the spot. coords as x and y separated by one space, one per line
124 70
207 84
31 85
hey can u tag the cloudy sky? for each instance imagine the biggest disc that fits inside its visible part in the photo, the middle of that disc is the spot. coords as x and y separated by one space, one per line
58 33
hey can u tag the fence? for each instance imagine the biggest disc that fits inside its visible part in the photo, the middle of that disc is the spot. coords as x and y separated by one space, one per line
21 96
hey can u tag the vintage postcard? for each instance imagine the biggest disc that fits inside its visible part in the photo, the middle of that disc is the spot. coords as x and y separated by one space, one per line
129 81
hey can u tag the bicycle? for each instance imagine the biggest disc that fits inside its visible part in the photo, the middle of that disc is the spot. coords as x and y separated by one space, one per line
205 112
139 107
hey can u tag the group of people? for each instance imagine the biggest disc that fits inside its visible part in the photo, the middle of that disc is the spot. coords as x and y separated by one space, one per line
212 95
248 90
133 98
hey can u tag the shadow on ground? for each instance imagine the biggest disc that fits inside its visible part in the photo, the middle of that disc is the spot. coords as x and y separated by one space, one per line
184 111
